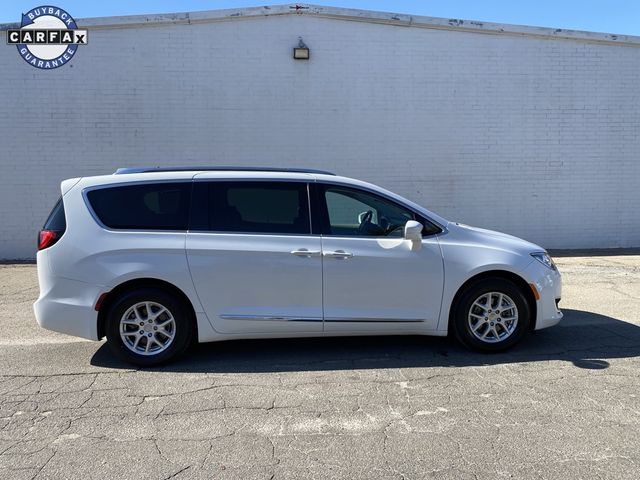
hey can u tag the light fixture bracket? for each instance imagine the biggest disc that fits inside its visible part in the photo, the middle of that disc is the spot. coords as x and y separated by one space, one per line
301 52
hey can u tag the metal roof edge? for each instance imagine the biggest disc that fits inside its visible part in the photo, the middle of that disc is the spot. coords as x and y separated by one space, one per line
349 14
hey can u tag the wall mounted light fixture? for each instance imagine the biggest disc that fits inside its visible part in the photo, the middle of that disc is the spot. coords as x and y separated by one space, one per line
301 52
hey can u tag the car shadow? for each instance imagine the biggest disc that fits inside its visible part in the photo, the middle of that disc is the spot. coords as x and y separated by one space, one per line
586 339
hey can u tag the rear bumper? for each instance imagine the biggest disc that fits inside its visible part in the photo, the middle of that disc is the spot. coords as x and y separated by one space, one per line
548 283
66 306
62 316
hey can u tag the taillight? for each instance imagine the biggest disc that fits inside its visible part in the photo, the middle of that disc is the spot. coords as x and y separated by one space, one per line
46 238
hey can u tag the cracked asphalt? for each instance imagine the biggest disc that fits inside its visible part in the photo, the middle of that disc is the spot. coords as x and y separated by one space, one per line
563 404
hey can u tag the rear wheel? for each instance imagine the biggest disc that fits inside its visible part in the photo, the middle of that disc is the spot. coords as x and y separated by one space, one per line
149 326
491 315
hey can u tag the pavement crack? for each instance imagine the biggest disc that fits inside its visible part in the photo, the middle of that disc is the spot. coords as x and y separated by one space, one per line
44 465
175 474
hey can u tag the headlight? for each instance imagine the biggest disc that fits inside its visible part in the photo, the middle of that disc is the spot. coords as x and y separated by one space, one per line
545 259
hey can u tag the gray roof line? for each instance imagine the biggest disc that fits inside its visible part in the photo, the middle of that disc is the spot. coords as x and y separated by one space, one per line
349 14
220 168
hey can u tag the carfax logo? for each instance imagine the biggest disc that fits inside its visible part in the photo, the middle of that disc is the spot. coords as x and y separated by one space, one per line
48 37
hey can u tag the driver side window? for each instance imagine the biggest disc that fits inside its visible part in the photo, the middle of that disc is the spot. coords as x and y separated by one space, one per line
354 212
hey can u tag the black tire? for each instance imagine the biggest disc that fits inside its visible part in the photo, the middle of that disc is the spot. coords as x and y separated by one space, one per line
464 304
183 326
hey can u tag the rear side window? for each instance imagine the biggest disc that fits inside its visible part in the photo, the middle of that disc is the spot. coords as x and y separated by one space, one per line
56 220
251 207
147 206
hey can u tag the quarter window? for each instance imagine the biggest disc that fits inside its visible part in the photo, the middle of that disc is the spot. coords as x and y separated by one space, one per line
56 220
252 207
148 206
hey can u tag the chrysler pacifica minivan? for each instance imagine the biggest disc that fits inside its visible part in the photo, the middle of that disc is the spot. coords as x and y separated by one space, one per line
156 259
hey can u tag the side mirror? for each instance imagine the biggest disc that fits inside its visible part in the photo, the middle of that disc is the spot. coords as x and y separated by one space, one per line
413 231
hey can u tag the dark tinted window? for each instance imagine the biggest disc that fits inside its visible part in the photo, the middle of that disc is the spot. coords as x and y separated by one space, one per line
252 207
147 206
56 220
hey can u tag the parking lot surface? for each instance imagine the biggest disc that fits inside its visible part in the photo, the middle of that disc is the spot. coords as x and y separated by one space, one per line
563 404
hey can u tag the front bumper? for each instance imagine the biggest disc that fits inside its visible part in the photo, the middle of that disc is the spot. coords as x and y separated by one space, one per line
548 283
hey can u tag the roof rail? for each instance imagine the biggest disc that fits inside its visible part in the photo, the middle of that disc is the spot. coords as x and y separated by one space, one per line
122 171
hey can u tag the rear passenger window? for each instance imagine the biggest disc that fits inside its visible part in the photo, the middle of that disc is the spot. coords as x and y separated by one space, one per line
252 207
147 206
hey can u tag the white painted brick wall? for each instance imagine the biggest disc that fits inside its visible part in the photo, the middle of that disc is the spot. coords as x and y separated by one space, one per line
536 137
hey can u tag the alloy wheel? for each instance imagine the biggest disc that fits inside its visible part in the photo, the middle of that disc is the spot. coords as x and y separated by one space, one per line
493 317
147 328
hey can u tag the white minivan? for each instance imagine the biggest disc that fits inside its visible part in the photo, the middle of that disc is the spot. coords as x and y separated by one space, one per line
156 259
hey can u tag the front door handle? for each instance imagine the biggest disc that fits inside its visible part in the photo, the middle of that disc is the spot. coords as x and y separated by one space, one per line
303 252
338 254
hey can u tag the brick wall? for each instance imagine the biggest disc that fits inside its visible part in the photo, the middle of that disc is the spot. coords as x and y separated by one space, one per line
534 136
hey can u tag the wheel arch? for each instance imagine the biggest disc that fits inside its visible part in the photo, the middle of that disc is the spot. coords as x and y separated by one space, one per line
114 293
516 279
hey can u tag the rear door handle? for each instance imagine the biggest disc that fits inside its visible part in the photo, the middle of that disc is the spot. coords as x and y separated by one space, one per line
338 254
303 252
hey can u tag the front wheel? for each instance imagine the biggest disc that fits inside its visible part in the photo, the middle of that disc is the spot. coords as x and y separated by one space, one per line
149 326
491 315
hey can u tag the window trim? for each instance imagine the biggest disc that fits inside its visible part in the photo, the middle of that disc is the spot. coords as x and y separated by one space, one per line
253 180
323 214
96 218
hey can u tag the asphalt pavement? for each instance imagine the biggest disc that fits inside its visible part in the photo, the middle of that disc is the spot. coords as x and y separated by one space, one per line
563 404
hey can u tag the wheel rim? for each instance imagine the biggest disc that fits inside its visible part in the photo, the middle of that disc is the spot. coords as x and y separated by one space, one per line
493 317
147 328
